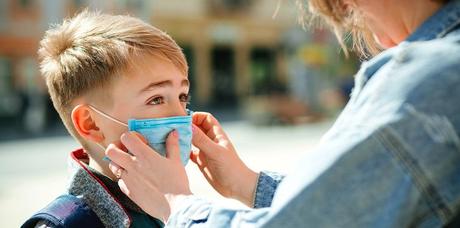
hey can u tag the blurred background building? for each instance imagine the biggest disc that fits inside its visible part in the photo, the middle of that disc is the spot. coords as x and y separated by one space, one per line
243 62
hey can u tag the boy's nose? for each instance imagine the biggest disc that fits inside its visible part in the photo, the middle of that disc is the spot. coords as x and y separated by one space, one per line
177 109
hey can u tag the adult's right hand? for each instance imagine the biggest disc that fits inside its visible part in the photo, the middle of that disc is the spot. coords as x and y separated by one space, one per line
219 162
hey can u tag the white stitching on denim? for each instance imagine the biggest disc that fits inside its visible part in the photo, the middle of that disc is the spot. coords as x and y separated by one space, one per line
254 194
439 128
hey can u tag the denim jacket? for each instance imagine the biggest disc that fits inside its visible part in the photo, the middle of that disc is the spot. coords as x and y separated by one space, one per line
392 159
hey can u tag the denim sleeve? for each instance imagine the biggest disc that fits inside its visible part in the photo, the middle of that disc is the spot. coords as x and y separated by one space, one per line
360 179
265 189
391 160
326 191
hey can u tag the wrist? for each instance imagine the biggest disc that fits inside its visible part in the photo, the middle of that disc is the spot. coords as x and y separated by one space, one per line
174 201
244 192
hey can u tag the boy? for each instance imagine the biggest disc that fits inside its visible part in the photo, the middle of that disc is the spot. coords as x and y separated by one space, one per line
101 71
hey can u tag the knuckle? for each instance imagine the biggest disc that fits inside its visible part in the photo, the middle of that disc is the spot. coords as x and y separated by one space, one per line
135 164
134 159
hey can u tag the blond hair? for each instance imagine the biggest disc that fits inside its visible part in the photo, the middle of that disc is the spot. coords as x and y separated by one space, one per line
345 22
89 51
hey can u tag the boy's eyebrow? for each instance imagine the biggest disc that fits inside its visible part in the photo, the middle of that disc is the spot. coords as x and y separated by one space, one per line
185 82
152 85
156 84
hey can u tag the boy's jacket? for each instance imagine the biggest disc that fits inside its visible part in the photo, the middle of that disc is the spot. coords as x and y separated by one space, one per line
87 190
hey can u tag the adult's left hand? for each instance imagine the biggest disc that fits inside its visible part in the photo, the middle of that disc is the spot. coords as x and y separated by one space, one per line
152 181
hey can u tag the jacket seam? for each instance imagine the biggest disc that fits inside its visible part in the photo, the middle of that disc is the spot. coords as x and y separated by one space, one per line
389 138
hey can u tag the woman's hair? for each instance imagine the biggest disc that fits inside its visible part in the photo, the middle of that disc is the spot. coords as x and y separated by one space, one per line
347 22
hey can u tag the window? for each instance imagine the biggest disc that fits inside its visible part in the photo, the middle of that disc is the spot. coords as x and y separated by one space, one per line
6 83
263 71
24 3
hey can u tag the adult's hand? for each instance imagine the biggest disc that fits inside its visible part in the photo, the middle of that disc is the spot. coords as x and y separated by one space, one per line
153 182
219 162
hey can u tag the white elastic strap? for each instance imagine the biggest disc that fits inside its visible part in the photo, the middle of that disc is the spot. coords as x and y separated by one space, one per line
107 116
101 146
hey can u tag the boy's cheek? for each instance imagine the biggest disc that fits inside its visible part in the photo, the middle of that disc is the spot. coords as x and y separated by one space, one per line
113 134
120 145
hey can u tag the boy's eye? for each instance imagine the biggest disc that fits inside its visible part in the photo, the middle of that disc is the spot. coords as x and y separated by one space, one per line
156 101
184 98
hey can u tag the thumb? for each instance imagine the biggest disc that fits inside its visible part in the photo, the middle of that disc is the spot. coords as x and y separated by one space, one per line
172 146
203 142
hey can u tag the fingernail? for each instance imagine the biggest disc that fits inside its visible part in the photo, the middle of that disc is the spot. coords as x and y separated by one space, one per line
125 136
175 134
107 159
111 146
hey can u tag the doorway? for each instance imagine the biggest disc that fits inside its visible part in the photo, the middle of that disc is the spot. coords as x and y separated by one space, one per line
223 73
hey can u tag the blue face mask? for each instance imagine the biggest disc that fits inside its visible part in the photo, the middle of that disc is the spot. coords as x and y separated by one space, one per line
156 130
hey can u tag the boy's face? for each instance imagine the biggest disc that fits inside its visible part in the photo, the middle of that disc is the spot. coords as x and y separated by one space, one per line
154 87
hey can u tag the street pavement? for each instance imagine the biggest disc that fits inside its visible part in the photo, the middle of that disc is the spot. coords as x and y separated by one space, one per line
33 172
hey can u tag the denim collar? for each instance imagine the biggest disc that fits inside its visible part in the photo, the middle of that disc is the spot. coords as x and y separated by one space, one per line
439 24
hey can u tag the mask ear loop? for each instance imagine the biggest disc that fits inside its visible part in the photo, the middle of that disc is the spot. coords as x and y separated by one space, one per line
105 158
107 116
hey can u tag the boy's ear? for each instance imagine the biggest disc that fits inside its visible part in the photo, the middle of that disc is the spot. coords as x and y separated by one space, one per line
85 124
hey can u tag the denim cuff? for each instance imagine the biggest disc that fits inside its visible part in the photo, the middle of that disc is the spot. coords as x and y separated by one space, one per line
192 210
265 188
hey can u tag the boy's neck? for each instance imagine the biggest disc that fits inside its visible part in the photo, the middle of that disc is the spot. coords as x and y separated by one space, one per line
102 168
97 163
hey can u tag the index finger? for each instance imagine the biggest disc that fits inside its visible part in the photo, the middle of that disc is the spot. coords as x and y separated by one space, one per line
208 124
119 157
137 145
